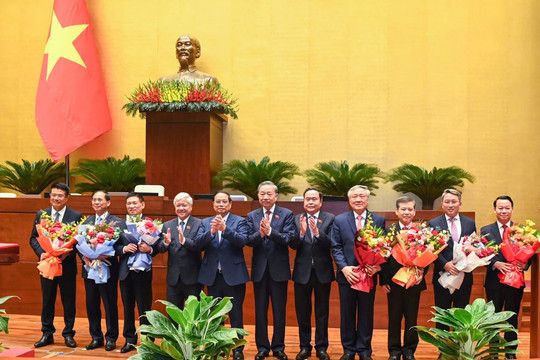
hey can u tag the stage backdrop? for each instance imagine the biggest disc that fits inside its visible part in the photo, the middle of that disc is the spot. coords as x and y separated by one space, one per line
427 82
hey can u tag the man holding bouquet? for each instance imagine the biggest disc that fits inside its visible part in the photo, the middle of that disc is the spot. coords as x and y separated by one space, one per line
402 302
458 226
58 212
503 295
135 285
356 307
107 292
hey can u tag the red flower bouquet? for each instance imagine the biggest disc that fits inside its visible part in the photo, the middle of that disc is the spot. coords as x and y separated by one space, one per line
372 247
520 243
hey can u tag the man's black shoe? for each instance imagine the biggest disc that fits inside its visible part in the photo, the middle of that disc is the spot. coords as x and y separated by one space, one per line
280 355
303 354
394 357
261 355
127 348
322 355
409 357
94 344
44 341
110 345
70 342
238 355
366 357
511 356
347 357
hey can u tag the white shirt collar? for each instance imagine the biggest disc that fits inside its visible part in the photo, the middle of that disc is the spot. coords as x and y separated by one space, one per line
62 212
185 220
272 209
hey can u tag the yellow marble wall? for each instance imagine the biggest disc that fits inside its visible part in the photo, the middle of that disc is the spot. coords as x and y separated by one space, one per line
434 83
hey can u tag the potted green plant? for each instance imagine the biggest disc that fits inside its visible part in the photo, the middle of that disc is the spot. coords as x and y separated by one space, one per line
427 185
195 333
30 177
336 178
4 320
109 174
245 176
476 332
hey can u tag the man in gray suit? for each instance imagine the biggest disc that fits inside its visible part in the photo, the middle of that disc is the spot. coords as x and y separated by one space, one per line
183 263
313 273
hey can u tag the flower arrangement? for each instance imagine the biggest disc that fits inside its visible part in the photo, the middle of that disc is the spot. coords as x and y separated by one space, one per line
372 247
520 242
97 242
416 248
142 230
174 95
473 251
56 239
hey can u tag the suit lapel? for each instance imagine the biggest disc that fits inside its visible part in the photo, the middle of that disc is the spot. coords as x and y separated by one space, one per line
352 222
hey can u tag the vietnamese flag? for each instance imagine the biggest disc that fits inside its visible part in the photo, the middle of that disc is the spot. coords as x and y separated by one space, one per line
71 104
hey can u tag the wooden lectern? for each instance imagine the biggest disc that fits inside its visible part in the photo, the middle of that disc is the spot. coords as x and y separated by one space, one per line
184 150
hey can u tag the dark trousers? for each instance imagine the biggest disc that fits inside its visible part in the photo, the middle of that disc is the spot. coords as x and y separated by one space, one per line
303 305
509 298
135 291
459 299
108 293
356 310
179 293
265 290
402 303
237 292
67 284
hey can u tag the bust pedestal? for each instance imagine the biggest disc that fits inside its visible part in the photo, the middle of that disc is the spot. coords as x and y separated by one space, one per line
184 150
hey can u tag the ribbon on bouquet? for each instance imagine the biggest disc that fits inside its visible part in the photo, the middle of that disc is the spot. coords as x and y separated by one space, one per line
408 276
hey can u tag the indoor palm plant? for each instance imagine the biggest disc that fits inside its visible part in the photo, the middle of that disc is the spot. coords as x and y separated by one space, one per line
30 177
336 178
476 332
245 176
427 185
4 319
109 174
195 333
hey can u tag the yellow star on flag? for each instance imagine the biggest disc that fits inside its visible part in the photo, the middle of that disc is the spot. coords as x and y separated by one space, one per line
60 44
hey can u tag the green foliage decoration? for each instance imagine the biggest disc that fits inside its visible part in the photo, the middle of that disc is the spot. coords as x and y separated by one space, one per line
174 95
245 176
31 177
476 332
195 333
336 178
4 319
109 174
427 185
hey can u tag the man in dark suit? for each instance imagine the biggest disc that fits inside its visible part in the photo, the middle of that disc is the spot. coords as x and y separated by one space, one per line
502 295
223 269
402 303
135 285
271 231
313 273
183 262
458 226
108 292
356 307
67 281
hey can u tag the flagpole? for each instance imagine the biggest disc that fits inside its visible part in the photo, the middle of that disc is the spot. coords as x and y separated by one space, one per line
67 169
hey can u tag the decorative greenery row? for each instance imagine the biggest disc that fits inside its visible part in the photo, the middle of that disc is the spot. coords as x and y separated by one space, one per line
180 96
332 177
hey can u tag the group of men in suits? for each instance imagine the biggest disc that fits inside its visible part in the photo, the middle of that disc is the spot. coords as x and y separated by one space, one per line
317 236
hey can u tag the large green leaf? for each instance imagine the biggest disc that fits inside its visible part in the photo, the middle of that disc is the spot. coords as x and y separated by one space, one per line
31 177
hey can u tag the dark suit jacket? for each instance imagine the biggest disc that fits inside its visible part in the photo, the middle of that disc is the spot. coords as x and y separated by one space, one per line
468 226
271 251
391 267
491 232
112 259
343 237
69 264
123 269
229 252
317 249
182 261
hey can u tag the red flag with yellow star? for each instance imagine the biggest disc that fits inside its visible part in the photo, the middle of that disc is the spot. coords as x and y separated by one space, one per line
71 104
